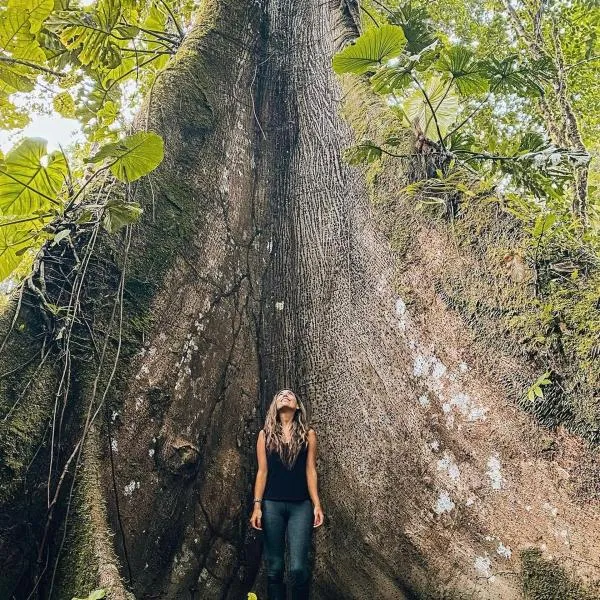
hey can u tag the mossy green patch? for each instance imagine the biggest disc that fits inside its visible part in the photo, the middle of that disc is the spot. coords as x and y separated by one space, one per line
546 580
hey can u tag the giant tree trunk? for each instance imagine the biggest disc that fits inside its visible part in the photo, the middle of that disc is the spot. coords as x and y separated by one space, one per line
260 263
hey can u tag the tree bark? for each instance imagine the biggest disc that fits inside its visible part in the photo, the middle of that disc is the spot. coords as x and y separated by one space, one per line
259 264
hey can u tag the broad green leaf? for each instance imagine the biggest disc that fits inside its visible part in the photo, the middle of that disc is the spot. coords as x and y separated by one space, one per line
16 38
118 214
156 20
64 105
510 75
417 31
392 79
15 79
370 50
467 73
15 238
365 152
132 157
91 34
418 113
29 178
37 11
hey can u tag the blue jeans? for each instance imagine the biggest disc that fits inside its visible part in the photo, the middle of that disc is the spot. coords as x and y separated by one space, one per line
297 516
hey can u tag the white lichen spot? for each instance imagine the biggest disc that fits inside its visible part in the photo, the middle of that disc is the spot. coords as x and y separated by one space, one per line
434 445
420 366
114 415
439 368
400 308
470 501
151 452
553 510
279 305
494 472
448 465
138 402
270 246
130 487
444 503
463 366
466 407
503 550
424 401
203 574
401 313
113 445
483 565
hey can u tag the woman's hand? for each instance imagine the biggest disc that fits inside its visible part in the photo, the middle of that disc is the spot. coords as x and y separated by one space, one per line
255 519
318 516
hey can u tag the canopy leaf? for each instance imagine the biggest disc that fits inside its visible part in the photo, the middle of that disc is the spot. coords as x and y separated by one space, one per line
370 50
118 214
132 157
30 179
467 73
442 98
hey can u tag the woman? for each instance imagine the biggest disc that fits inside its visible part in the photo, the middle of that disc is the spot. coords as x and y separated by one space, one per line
286 482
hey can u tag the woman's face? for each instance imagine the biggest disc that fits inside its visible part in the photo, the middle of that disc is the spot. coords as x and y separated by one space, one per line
286 398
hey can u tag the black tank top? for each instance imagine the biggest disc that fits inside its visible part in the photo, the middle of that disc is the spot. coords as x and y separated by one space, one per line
283 483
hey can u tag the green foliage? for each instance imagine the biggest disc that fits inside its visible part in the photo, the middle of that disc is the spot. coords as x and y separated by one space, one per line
132 157
87 54
97 594
30 178
371 50
535 390
118 214
439 87
432 108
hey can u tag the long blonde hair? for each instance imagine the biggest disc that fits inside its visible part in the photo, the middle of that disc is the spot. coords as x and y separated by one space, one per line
274 431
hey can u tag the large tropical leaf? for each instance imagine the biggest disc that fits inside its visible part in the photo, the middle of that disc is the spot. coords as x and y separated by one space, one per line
132 157
417 31
510 75
117 214
394 78
370 50
467 73
37 11
14 240
16 38
417 110
92 33
30 179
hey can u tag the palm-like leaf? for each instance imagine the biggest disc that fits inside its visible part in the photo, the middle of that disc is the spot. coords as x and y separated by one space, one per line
370 50
444 101
468 74
417 30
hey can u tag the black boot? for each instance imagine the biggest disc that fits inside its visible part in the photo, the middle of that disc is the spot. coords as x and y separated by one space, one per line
276 589
300 590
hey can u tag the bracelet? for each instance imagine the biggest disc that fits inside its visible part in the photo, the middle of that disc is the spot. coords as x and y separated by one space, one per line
257 499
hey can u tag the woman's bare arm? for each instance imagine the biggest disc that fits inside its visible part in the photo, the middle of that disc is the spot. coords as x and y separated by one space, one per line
261 474
311 468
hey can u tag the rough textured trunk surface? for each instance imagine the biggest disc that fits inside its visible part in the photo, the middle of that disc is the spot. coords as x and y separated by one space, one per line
269 267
